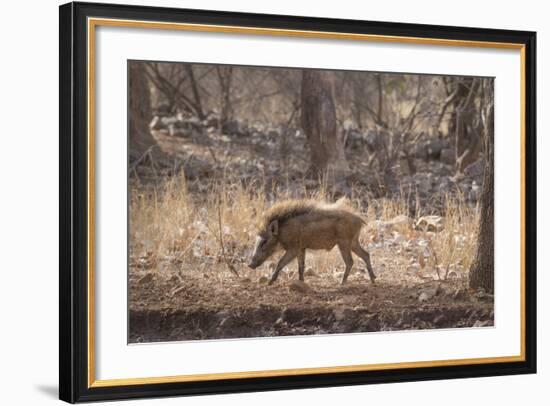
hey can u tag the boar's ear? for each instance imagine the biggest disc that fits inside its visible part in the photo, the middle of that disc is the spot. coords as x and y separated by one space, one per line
274 227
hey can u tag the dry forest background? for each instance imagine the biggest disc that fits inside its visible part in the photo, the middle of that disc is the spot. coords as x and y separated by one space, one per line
212 147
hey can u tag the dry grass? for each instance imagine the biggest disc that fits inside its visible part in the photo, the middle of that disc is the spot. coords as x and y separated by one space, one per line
453 249
183 283
217 229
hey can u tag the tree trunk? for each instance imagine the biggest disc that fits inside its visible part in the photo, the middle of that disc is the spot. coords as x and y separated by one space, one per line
225 76
319 124
461 125
196 93
140 111
482 269
380 109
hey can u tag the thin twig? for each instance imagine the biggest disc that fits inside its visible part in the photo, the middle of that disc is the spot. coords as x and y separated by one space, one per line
138 161
432 281
430 244
222 245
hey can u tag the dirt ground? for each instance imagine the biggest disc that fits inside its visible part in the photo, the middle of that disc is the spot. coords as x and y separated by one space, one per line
172 305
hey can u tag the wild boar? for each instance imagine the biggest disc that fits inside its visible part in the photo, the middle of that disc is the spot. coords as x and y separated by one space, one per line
298 225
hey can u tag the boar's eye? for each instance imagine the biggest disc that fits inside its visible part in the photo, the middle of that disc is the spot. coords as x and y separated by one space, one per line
260 242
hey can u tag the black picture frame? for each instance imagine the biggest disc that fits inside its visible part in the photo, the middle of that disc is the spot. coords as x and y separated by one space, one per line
74 199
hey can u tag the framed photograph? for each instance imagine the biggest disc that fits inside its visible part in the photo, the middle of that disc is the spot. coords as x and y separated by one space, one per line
258 202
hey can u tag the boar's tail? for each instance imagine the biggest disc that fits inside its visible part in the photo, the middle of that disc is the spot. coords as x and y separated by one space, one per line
345 203
342 202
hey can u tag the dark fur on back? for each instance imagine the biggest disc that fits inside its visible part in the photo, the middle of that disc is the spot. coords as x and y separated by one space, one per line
286 209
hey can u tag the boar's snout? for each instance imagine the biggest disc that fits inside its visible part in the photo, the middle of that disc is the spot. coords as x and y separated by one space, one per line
256 260
266 245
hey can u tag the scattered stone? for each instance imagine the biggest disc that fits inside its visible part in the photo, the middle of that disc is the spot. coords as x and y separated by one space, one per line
339 314
273 134
147 278
355 139
480 323
434 148
398 238
481 295
429 223
475 192
162 110
212 122
448 156
230 127
156 123
424 185
299 286
459 294
309 272
423 297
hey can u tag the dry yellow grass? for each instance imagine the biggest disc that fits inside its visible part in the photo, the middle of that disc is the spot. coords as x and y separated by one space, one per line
189 229
453 249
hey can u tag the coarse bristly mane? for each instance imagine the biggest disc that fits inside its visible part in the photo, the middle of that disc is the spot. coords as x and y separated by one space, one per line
286 209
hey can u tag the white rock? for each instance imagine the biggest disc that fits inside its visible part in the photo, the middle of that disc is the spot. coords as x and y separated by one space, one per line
424 297
429 223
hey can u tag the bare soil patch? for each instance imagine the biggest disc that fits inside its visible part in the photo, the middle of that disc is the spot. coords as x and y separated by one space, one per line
173 305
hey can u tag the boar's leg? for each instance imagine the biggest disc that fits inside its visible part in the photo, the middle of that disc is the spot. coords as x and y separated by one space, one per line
346 255
364 255
284 261
301 263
